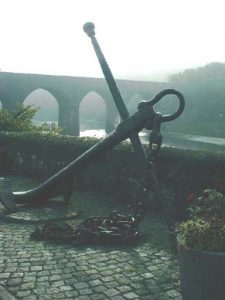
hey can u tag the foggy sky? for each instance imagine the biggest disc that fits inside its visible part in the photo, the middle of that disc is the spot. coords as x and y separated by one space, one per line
141 39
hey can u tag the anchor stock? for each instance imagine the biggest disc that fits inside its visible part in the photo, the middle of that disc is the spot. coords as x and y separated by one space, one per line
89 28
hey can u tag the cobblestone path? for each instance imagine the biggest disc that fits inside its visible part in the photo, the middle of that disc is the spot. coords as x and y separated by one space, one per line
40 270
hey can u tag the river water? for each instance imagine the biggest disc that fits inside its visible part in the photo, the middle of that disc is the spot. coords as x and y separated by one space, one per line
99 133
170 139
175 140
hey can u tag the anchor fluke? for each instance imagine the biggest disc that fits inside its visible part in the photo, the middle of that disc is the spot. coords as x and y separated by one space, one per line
89 28
6 194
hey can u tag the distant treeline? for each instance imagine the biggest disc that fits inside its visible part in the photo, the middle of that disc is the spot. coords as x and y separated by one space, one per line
204 91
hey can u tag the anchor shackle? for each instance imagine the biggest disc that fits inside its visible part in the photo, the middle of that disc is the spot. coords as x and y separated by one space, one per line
158 97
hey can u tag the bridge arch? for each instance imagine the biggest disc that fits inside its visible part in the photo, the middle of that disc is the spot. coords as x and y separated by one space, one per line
92 111
48 104
65 108
100 107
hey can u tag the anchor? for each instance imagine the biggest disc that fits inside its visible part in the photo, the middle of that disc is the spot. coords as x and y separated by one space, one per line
129 127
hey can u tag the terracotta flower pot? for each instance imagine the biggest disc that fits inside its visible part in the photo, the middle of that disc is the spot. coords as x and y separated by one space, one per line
202 274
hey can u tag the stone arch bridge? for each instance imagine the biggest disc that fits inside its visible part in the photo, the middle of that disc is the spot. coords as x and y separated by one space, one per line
69 92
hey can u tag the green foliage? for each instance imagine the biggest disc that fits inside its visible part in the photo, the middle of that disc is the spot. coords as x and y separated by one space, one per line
210 71
206 228
200 234
21 120
211 204
204 92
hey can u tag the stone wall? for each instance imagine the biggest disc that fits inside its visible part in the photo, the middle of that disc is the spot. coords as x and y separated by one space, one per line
181 172
41 156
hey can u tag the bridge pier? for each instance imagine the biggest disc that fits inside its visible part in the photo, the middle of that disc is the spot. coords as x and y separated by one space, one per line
69 119
111 114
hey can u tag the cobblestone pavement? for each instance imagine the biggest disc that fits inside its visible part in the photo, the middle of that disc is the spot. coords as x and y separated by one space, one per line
40 270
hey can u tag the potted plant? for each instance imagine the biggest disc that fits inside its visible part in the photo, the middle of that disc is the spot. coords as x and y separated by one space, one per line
201 248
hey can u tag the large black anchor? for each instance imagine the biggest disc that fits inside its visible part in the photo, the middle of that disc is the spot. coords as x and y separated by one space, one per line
128 128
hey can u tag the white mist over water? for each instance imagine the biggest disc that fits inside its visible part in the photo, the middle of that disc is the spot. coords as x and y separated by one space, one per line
174 140
98 133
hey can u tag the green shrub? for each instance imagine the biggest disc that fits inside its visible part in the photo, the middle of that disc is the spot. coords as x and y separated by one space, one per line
211 204
21 120
206 228
200 234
